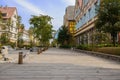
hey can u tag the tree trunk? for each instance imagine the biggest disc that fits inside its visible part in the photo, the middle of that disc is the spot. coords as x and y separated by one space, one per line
114 35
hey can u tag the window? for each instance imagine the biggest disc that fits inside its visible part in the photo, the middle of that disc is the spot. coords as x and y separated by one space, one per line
85 2
4 14
15 16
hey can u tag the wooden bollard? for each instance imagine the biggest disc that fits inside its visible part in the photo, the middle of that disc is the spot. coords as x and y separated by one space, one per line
20 58
39 51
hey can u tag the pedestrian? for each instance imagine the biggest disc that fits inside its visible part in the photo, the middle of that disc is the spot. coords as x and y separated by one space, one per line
26 54
4 53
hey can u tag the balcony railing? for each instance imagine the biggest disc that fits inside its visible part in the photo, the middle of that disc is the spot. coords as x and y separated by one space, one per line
77 13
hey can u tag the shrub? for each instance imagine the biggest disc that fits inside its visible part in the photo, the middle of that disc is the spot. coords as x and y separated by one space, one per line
84 47
109 50
107 45
65 46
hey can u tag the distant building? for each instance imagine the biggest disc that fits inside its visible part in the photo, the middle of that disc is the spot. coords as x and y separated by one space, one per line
26 37
9 17
56 34
69 21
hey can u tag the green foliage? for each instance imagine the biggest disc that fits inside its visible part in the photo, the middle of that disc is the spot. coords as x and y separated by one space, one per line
54 43
18 21
20 43
5 26
84 47
11 44
64 36
42 28
100 38
106 45
31 35
4 38
31 31
20 27
109 18
0 16
65 46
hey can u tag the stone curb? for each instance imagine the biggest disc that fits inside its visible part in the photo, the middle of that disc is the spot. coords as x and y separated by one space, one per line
103 55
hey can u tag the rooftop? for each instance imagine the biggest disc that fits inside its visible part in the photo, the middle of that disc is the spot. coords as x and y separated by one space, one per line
7 11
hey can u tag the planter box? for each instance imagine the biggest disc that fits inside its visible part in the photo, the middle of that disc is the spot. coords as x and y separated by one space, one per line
102 55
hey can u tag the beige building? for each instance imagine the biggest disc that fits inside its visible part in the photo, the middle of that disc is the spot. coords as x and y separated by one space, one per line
26 37
9 17
69 21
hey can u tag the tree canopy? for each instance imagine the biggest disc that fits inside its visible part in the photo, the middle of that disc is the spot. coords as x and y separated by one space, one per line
42 28
20 27
64 36
109 18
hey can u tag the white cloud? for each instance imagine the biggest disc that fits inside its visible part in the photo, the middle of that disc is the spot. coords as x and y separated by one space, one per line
32 8
69 2
57 22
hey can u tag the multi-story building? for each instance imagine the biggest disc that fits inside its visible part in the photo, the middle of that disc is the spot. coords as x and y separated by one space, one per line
9 18
26 37
85 16
69 21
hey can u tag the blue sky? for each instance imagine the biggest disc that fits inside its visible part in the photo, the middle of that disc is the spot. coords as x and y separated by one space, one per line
53 8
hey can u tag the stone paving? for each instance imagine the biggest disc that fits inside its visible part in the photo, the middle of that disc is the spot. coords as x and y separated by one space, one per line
60 64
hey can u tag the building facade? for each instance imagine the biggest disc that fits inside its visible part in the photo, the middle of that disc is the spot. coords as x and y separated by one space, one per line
85 16
69 21
9 19
26 37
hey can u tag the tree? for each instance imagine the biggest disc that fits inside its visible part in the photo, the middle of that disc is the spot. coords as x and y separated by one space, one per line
4 39
64 36
31 35
20 35
20 27
8 25
2 25
20 42
0 16
42 28
100 38
109 18
54 43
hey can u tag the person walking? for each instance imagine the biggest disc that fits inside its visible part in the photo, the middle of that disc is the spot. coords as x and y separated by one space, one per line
4 53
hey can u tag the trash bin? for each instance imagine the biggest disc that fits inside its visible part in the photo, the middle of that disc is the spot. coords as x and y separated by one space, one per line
20 58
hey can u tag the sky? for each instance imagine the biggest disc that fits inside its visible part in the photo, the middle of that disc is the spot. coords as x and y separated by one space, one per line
53 8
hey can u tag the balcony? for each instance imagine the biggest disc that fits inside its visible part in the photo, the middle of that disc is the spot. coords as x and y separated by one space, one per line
78 25
77 13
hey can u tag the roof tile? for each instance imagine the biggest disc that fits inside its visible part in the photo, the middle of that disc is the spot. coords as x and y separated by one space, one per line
8 10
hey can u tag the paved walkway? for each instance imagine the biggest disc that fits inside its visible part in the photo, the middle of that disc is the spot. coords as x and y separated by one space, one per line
57 64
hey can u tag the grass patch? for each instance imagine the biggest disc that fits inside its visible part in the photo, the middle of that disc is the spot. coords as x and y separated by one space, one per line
109 50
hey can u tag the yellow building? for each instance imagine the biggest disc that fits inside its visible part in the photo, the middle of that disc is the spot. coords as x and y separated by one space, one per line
71 26
69 21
